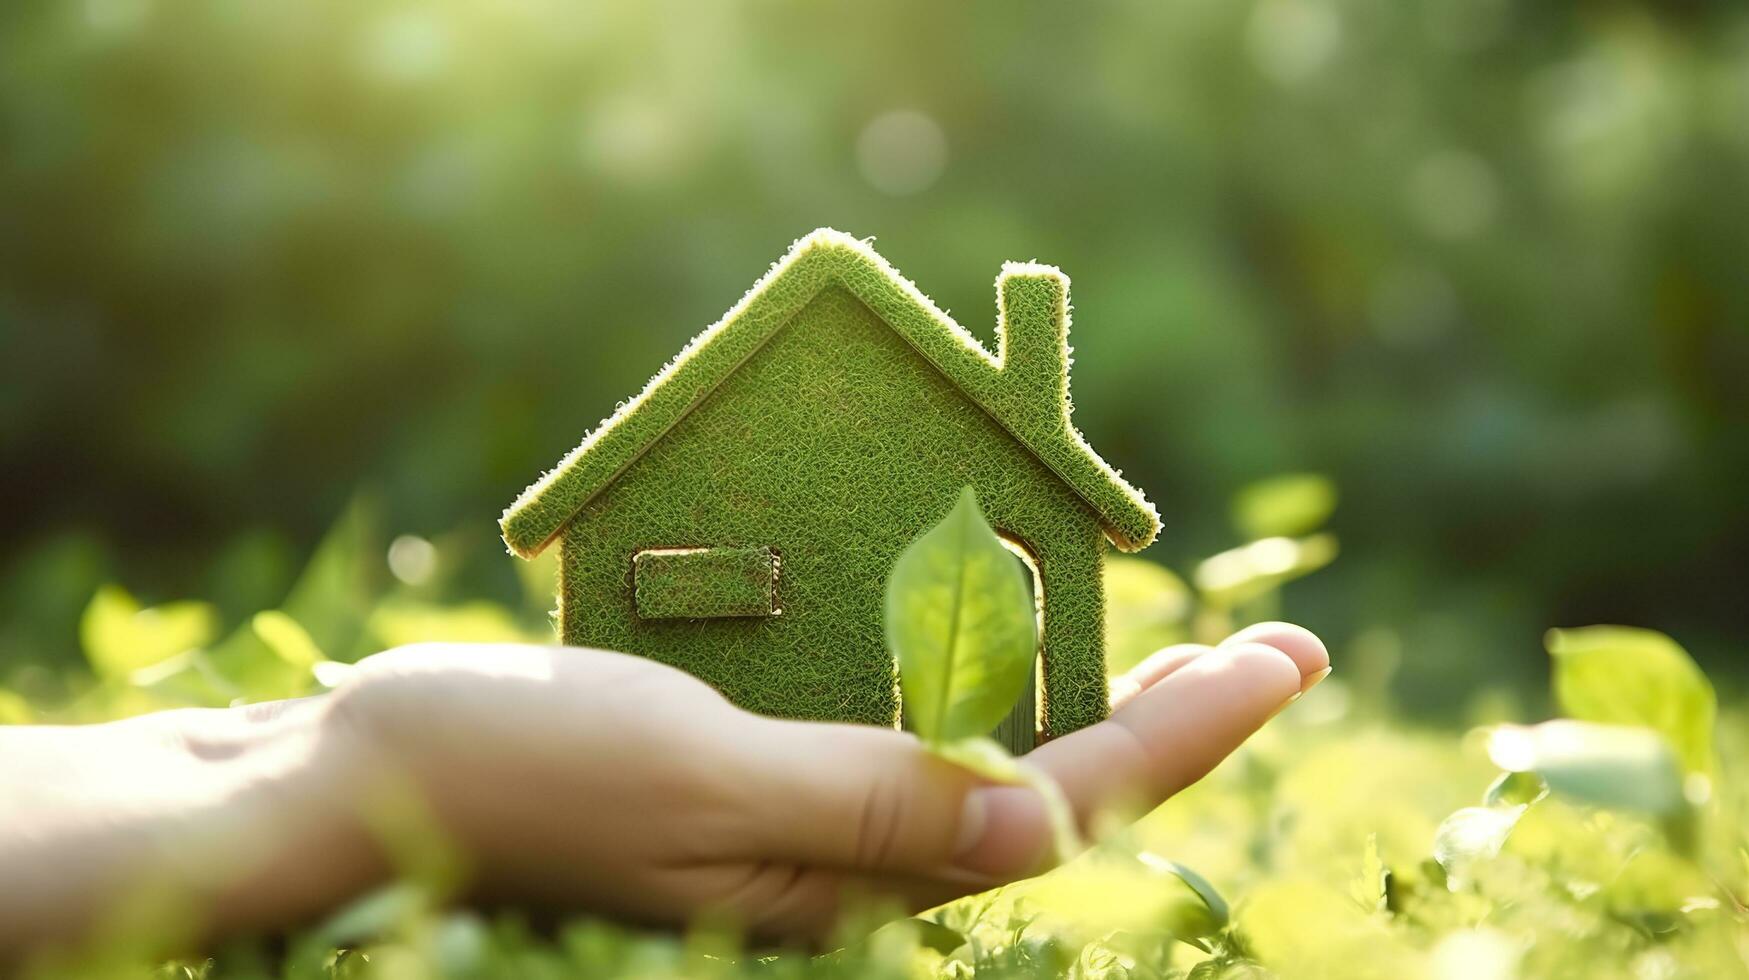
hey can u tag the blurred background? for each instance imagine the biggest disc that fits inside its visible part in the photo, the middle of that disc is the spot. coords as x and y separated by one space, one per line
274 274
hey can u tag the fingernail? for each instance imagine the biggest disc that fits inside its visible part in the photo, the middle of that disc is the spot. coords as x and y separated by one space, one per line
1312 681
1004 832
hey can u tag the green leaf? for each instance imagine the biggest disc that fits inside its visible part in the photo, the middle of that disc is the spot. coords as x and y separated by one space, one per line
120 637
1604 765
960 621
1372 887
1515 789
1617 675
1234 577
1284 506
254 669
288 638
1207 913
330 602
335 591
1472 834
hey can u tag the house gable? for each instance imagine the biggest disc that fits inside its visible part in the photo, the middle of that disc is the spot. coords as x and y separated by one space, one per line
1023 386
835 443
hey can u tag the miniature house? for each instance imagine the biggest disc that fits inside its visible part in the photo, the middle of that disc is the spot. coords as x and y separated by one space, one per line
738 518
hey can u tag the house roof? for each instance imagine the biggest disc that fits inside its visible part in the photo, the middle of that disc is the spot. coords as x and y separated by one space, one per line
822 259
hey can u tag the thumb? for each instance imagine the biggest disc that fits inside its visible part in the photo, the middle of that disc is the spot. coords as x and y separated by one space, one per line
875 801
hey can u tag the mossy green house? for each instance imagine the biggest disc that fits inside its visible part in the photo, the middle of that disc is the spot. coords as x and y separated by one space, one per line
738 517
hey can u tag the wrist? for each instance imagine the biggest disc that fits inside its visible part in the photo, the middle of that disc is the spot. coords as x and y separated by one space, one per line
282 839
177 828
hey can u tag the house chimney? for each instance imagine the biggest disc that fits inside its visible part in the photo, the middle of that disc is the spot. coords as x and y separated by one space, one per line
1032 301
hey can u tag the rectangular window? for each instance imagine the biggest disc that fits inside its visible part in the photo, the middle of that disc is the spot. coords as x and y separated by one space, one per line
705 583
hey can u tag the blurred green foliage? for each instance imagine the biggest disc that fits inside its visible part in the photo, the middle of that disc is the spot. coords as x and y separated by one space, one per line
1477 261
1346 840
1343 841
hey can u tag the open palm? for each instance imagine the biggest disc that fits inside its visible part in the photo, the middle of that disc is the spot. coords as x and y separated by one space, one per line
587 779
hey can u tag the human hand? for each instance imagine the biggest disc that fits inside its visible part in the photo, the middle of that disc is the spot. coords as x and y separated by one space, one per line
591 780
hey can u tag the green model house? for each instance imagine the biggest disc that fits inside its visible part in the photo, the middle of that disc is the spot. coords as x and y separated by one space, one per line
738 518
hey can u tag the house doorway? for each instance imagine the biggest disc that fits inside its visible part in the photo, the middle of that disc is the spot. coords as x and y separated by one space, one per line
1018 732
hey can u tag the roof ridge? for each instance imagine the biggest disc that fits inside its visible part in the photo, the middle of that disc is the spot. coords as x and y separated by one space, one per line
813 262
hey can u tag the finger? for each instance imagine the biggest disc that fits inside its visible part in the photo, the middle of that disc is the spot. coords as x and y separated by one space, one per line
1172 734
1153 670
1300 644
874 801
1167 737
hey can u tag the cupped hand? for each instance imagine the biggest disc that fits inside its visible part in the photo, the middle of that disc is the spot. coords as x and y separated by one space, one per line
599 781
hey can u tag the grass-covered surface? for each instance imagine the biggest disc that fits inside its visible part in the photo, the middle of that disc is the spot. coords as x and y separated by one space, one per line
832 415
1345 841
1024 385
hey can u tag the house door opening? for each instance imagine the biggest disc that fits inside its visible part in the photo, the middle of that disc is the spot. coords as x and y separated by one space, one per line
1018 732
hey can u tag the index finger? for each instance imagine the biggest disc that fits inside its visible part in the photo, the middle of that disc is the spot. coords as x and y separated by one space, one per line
1173 733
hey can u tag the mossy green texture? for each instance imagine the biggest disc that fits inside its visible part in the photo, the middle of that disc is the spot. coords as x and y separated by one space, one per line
705 583
832 415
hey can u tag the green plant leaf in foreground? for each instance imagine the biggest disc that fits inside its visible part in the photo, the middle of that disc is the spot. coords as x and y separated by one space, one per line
1208 915
1603 765
1472 834
1617 675
1515 789
960 623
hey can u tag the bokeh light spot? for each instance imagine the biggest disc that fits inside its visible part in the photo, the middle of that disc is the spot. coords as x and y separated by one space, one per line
115 15
412 559
631 140
902 152
406 47
1290 40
